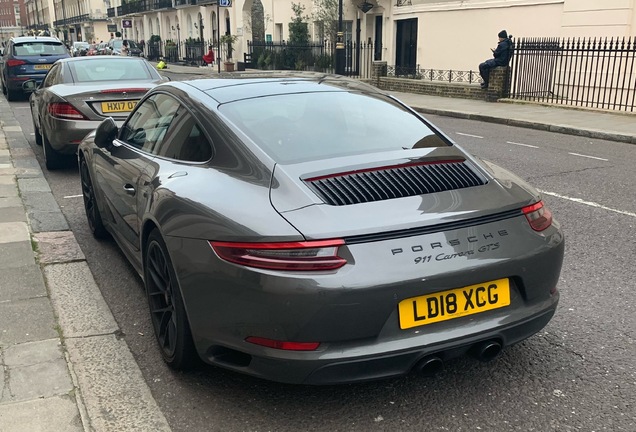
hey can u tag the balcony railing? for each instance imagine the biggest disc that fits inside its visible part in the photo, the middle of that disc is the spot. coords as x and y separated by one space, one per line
111 12
72 20
140 6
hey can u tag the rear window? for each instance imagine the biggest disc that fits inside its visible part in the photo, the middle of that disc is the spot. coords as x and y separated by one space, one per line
109 69
37 48
306 126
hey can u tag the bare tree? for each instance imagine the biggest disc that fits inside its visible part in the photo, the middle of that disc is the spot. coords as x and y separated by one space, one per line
325 16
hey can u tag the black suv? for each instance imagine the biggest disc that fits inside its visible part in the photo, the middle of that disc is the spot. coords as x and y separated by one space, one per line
28 57
114 45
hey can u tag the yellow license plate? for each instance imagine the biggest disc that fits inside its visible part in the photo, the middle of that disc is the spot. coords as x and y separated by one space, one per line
454 303
42 67
118 106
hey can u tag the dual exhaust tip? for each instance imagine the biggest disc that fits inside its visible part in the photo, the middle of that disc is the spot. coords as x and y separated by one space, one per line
485 352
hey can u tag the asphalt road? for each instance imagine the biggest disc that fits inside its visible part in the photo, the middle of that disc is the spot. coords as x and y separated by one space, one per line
579 374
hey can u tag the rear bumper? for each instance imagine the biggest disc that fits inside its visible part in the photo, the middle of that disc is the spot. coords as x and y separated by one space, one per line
15 82
65 135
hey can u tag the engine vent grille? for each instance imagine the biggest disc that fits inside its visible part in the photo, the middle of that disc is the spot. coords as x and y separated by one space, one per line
400 181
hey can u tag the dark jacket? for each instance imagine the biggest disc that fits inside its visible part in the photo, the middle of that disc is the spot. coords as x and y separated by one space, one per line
503 53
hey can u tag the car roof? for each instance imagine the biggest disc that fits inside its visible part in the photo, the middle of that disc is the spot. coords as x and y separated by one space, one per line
251 85
20 39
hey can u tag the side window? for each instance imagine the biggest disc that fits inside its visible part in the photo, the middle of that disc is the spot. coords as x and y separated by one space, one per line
185 140
52 77
148 124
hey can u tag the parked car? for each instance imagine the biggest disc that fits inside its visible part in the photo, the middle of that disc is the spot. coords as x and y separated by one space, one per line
311 229
79 48
78 93
28 58
114 45
102 48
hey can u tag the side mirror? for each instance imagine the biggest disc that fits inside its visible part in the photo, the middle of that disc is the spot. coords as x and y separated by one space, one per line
30 85
106 133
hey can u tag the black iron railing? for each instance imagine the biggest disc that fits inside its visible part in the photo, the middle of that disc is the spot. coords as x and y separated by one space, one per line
189 52
110 12
593 72
312 56
72 20
434 75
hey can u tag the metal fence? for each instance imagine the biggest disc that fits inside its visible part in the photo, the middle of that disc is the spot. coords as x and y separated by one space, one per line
189 52
593 72
434 75
312 56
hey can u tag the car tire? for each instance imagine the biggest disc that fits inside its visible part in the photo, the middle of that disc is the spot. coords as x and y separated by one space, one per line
12 95
167 312
52 159
94 217
38 135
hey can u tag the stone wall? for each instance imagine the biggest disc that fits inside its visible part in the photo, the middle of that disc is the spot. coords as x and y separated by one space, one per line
498 88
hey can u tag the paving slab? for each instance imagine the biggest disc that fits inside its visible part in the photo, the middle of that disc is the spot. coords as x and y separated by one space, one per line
26 321
34 185
21 283
113 389
16 254
52 414
36 370
78 303
11 232
12 214
12 201
58 247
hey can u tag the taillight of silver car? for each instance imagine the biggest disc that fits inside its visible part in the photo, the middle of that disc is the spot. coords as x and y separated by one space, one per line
66 111
538 215
313 255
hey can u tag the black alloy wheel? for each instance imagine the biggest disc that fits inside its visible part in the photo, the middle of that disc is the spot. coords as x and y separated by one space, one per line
93 215
167 312
52 159
38 135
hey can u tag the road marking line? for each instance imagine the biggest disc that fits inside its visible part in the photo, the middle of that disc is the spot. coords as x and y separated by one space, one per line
591 157
73 196
469 135
588 203
520 144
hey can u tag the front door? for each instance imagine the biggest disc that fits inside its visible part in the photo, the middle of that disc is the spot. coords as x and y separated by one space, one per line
377 47
406 47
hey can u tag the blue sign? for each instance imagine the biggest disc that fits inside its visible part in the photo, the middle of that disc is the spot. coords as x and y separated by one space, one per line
225 3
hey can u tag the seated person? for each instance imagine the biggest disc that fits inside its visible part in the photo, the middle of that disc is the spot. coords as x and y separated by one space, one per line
209 57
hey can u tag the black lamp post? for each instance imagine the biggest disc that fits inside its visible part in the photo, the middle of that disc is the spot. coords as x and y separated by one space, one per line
340 48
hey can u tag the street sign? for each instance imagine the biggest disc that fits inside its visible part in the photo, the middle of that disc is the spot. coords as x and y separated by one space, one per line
111 28
126 23
225 3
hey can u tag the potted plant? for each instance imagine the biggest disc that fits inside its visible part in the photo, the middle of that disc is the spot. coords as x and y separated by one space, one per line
229 40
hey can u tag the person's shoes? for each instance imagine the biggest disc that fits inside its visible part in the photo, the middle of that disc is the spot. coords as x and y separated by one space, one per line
484 86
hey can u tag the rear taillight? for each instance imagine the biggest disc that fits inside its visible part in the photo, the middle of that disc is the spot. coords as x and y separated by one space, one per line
14 62
65 110
538 215
283 345
295 256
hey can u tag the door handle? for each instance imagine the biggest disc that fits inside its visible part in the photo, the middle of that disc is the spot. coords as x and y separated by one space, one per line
130 189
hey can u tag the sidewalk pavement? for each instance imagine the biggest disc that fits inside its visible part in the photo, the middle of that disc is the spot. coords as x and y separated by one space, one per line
65 367
589 123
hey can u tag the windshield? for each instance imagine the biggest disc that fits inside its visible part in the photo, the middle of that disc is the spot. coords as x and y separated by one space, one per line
39 48
110 69
306 126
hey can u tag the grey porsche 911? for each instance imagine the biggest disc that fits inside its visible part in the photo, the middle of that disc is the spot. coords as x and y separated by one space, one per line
312 229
